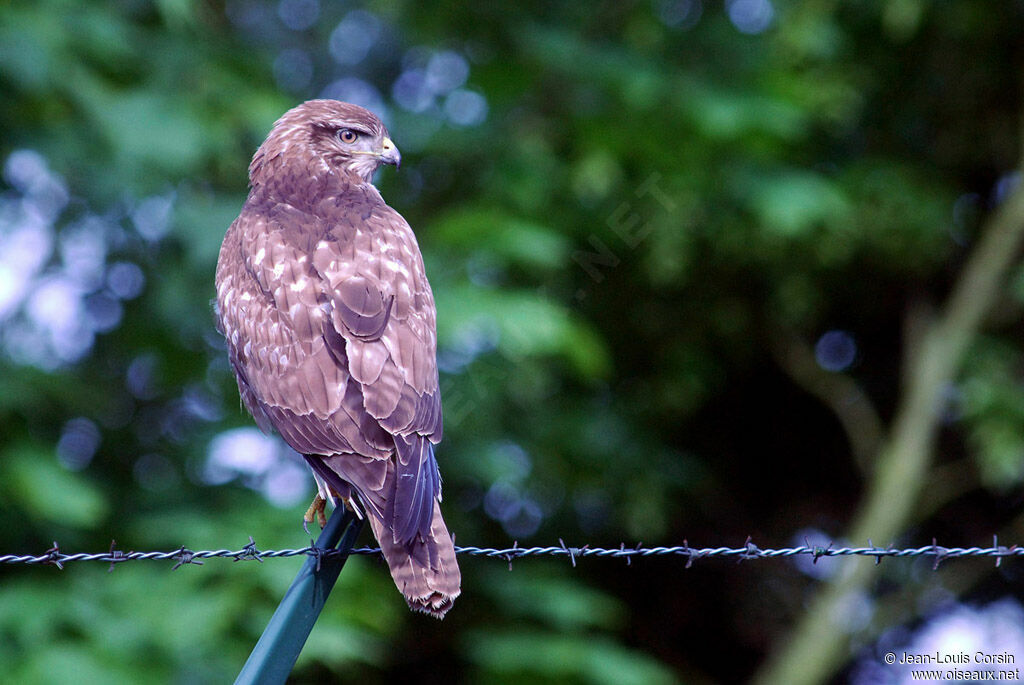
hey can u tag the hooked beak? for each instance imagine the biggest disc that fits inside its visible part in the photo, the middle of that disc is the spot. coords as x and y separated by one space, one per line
389 154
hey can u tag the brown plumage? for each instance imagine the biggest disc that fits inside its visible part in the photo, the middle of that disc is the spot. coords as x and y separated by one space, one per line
330 324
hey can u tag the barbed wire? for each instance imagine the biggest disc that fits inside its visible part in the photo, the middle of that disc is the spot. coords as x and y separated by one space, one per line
748 552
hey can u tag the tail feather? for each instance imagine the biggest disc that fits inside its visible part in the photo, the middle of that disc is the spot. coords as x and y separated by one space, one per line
424 569
423 565
417 485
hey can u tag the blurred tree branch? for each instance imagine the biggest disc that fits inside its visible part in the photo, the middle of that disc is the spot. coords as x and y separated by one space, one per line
818 643
946 482
840 393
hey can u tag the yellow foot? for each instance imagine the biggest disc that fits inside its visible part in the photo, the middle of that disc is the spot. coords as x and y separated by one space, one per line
315 511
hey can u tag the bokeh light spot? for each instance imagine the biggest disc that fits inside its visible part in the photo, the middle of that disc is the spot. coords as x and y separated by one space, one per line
446 71
465 108
125 280
835 351
293 69
412 92
239 452
298 15
680 14
750 16
358 92
152 216
353 37
78 443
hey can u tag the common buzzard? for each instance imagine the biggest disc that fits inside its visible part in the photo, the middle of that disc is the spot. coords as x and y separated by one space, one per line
330 327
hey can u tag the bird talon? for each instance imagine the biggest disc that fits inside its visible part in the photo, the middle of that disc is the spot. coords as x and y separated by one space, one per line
316 512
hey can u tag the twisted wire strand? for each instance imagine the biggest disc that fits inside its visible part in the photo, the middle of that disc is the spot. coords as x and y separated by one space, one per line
748 552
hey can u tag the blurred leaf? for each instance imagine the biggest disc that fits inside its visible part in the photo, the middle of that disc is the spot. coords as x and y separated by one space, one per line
638 81
200 220
556 657
726 115
71 662
28 43
48 491
513 240
992 402
337 645
793 202
526 325
567 605
147 129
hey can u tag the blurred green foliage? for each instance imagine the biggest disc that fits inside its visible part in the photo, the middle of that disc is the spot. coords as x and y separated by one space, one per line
653 201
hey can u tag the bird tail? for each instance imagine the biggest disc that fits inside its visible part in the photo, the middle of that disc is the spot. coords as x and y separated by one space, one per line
424 569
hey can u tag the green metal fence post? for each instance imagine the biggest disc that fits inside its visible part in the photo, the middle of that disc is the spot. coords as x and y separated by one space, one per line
274 655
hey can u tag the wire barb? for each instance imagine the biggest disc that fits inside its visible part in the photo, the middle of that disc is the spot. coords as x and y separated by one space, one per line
750 550
116 555
878 557
249 552
688 553
53 556
1002 551
185 556
317 553
512 554
940 554
571 551
819 552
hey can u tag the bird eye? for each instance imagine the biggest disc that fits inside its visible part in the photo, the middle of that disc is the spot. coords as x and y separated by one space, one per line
347 135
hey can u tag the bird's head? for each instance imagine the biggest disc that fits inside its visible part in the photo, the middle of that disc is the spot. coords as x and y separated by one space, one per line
327 135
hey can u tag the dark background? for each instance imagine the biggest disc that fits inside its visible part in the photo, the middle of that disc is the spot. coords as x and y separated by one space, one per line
689 259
